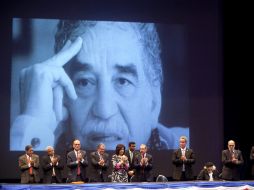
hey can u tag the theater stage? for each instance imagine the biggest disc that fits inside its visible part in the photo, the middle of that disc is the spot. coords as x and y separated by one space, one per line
194 185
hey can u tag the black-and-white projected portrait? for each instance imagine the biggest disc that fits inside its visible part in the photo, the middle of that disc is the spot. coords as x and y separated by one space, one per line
97 81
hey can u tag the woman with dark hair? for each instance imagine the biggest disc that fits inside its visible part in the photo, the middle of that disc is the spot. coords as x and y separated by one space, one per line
120 165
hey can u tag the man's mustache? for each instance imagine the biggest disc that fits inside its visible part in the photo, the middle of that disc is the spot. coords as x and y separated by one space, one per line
112 127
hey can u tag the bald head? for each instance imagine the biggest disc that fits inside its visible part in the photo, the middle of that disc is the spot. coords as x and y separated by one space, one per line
231 145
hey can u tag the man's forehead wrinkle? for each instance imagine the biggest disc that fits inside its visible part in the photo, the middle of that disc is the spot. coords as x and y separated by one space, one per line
104 51
77 66
107 26
128 69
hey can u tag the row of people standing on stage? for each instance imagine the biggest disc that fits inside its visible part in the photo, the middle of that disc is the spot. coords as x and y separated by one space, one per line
128 165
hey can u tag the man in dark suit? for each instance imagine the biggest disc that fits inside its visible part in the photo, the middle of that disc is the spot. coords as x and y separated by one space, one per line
143 164
99 164
232 161
131 153
183 158
29 166
77 163
52 166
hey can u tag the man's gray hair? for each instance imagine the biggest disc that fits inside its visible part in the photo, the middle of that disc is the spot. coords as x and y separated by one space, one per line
99 145
146 32
49 147
184 137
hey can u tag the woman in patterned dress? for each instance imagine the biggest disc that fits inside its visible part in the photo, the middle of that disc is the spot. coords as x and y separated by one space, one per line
120 165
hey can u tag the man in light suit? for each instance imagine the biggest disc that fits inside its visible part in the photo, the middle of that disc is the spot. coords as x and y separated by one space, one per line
143 164
52 166
99 164
77 163
232 161
29 166
183 158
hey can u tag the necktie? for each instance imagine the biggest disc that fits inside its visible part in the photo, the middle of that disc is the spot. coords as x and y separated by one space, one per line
30 168
100 158
131 156
78 171
183 154
234 153
143 166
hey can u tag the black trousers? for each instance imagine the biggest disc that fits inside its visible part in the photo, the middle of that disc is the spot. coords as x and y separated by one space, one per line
183 176
54 180
80 178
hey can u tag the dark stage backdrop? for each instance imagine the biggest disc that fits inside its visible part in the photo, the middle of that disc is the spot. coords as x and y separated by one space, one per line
193 87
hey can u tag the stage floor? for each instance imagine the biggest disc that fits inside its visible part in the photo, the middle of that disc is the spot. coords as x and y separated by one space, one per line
193 185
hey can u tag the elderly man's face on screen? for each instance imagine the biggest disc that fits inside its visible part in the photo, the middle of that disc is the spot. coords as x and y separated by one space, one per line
116 101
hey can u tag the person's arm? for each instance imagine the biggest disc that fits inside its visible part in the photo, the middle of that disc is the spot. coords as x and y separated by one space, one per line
36 162
46 165
225 159
191 159
71 163
176 160
115 164
84 161
94 161
126 165
42 87
23 165
216 175
201 175
59 164
149 164
240 158
106 162
137 161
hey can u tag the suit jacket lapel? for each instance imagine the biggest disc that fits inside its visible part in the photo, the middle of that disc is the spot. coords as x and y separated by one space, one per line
179 152
97 156
187 153
74 155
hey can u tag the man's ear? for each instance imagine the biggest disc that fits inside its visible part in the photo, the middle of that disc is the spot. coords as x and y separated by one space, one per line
156 103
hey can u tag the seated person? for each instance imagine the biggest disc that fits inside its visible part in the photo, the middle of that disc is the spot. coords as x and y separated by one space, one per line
208 173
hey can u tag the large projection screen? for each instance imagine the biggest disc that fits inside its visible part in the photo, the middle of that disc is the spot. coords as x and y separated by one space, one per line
190 96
